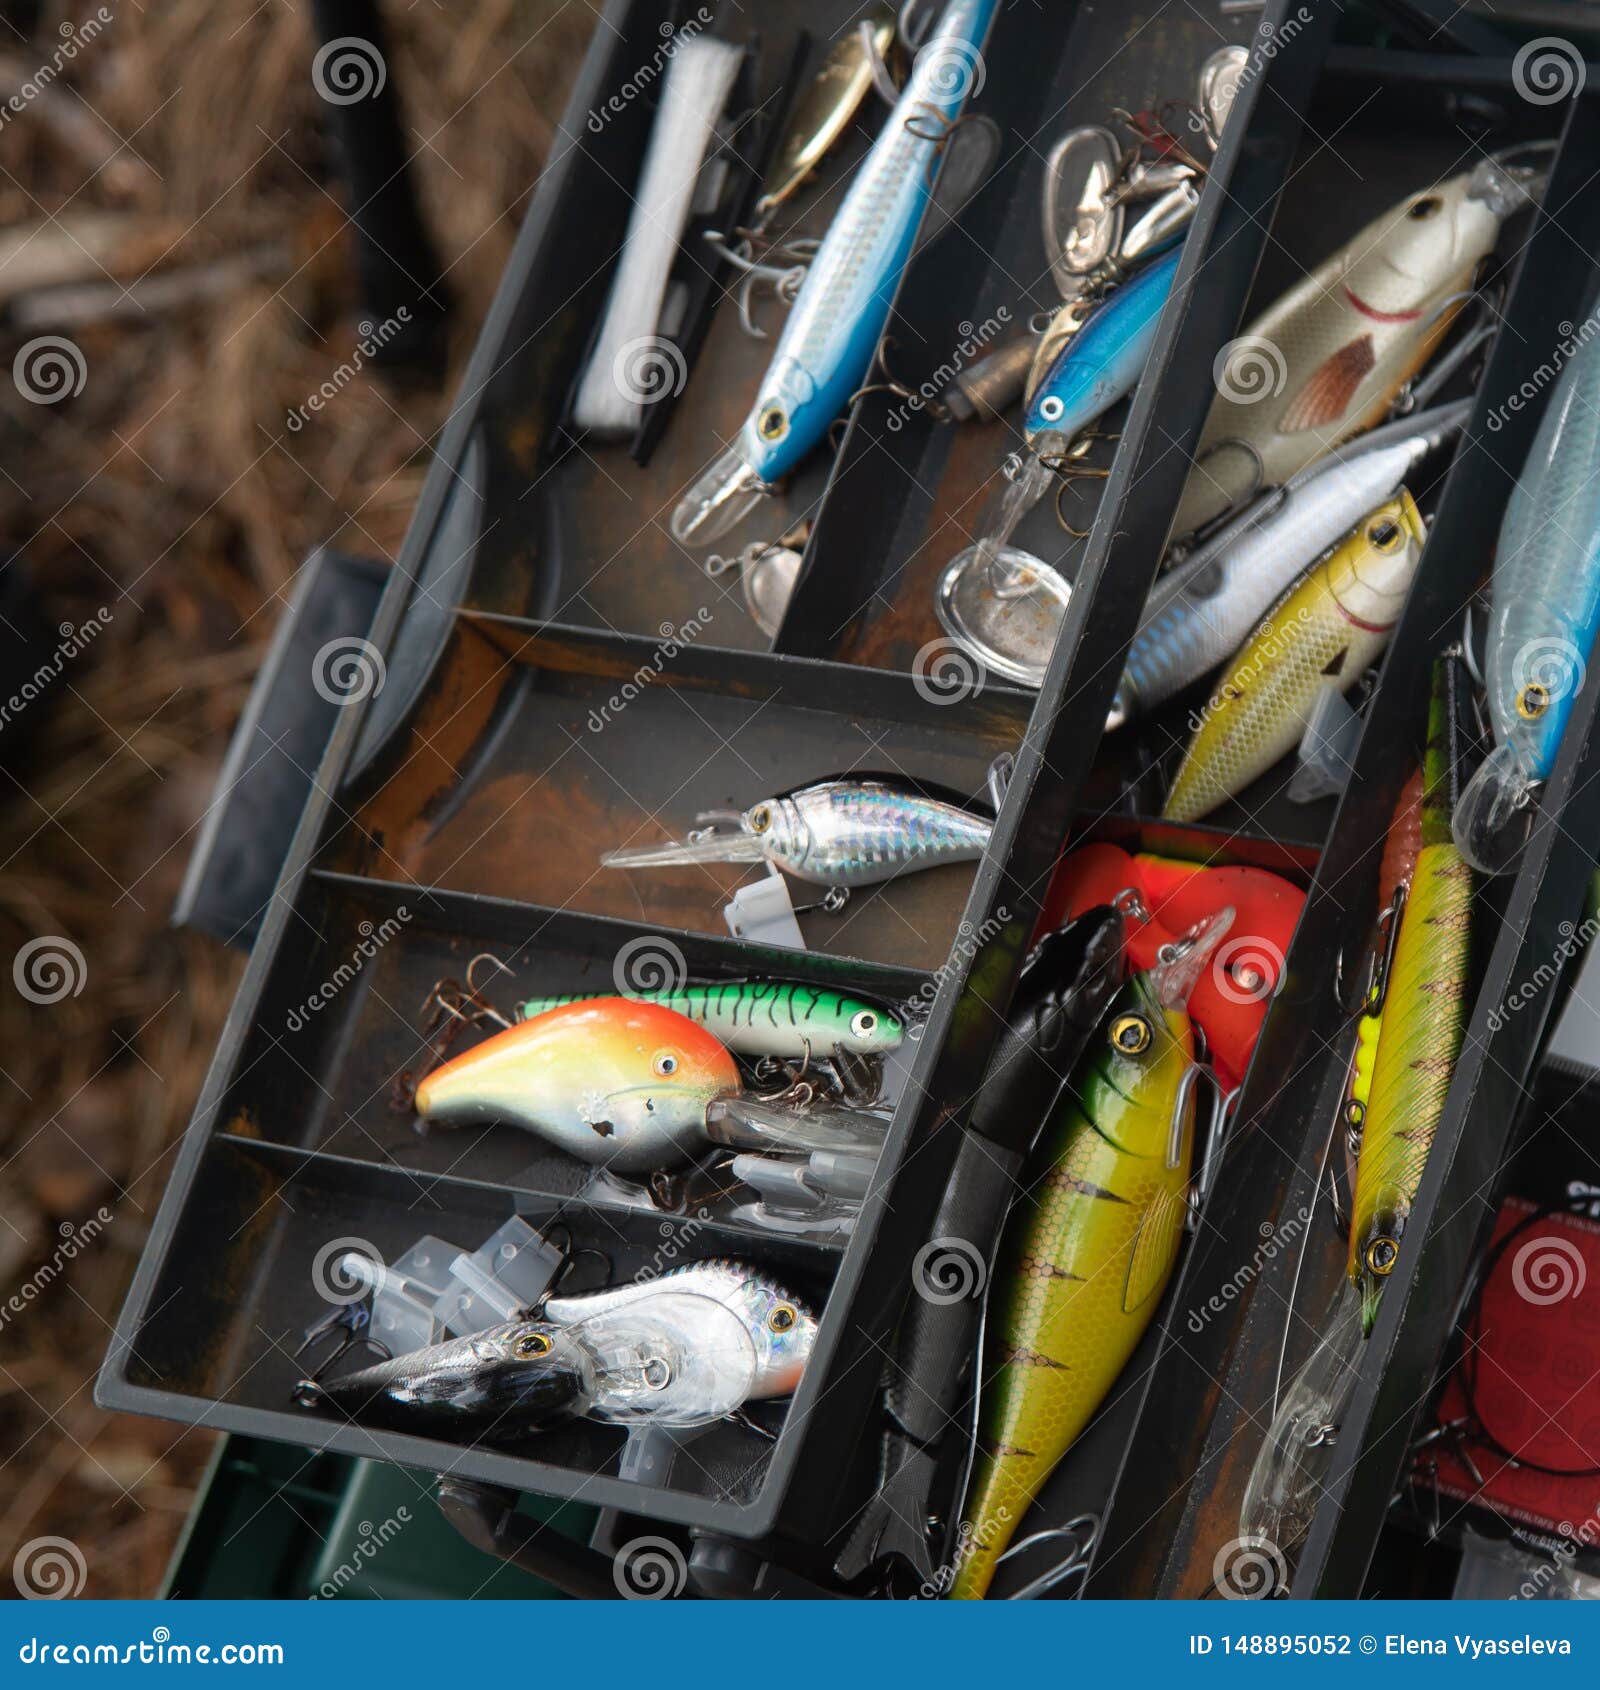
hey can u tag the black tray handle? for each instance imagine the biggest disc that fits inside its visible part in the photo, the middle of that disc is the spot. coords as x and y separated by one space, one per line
272 759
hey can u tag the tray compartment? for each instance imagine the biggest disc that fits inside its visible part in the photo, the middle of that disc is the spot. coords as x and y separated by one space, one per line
320 1066
536 749
1177 1503
272 1211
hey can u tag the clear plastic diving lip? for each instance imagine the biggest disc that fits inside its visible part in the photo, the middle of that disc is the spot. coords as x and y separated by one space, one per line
724 494
1005 607
704 845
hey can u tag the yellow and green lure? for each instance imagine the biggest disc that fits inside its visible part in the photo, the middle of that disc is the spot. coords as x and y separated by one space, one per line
1424 1022
1090 1257
1329 628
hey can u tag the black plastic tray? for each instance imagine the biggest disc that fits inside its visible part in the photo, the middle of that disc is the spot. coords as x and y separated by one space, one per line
474 792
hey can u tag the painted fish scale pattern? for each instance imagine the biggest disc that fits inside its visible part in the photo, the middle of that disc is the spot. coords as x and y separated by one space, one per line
1424 1020
861 837
1259 712
1098 1249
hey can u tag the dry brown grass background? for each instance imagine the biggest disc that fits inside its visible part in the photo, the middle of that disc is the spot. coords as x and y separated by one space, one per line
170 493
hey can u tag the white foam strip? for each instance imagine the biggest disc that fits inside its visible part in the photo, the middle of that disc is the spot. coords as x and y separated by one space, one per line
631 365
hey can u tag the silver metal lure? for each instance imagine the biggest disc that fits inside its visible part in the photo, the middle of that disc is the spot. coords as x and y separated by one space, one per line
781 1330
839 833
1201 611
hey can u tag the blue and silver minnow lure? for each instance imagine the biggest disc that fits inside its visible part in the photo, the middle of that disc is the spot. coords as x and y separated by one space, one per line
1545 609
832 334
1102 362
858 831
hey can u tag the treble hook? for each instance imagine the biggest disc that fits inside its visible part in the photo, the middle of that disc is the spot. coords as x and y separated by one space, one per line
785 280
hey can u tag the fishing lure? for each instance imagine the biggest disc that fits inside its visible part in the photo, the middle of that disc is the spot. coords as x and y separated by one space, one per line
1545 609
768 1017
683 1350
1423 1003
1328 359
1066 984
632 1087
832 333
857 831
1330 627
1200 611
825 110
619 1084
1091 1258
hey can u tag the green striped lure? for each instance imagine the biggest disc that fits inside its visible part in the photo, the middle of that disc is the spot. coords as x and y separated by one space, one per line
768 1017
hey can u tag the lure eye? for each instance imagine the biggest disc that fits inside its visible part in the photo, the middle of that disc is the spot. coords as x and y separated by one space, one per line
1052 407
1381 1255
1131 1034
1533 701
760 819
531 1344
664 1063
783 1317
864 1023
1428 206
1385 535
772 424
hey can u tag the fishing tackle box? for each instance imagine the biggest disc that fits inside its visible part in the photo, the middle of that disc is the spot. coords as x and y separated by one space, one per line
555 674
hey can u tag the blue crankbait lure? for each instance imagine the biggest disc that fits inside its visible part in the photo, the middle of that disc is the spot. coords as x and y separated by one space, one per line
832 334
1545 610
1102 362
